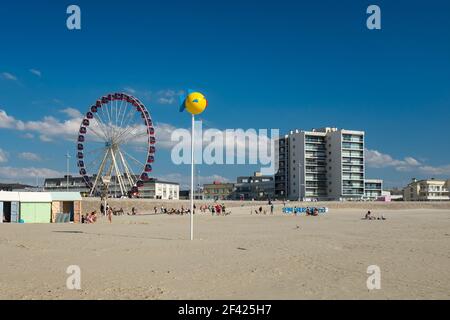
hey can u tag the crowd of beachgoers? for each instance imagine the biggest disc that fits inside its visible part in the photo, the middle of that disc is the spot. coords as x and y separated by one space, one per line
215 209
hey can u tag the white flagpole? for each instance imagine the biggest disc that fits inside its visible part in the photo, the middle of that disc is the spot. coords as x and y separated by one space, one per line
192 178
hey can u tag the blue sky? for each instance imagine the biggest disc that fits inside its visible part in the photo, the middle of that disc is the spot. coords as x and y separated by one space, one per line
262 64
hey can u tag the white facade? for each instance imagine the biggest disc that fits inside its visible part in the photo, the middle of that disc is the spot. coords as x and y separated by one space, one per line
427 190
325 164
160 190
373 189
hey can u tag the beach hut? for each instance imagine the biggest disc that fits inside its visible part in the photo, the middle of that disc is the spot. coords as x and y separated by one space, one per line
35 207
9 207
66 206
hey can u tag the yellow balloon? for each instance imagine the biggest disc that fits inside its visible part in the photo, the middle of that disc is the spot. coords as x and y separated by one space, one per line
196 103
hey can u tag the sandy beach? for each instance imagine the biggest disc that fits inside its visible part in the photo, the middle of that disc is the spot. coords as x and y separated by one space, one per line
240 256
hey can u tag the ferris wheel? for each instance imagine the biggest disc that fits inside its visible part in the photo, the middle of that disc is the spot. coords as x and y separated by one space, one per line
116 145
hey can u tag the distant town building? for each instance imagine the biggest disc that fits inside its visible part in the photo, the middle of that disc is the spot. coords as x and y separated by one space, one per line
152 189
396 194
218 191
256 187
186 194
322 164
75 184
156 189
373 189
427 190
16 187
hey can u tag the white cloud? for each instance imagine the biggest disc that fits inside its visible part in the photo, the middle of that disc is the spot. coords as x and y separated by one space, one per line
130 90
376 159
72 113
47 128
3 156
27 174
28 136
163 135
168 96
30 156
36 72
51 129
438 171
164 100
8 122
9 76
45 138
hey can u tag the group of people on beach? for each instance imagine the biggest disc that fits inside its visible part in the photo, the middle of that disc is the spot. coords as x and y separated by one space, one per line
261 210
369 216
90 217
171 211
214 209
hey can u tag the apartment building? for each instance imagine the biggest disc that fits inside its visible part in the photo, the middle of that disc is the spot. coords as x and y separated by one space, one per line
427 190
322 164
373 189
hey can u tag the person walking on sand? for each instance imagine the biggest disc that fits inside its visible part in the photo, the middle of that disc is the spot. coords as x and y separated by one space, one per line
271 208
110 213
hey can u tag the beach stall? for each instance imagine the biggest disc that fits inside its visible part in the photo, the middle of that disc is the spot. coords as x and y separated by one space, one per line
35 207
9 207
66 207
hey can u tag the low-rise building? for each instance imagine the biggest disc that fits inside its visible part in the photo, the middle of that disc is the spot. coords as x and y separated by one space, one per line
256 187
373 189
427 190
16 187
218 191
66 183
156 189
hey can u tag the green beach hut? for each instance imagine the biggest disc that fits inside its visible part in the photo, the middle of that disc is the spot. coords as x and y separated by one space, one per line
35 207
